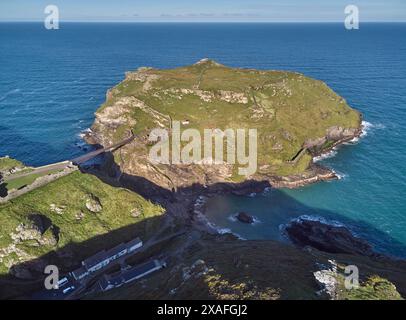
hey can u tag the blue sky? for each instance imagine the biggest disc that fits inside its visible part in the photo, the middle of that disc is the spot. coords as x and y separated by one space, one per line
204 10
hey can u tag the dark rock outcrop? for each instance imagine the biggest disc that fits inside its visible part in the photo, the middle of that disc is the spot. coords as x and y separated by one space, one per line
37 230
333 238
244 217
3 188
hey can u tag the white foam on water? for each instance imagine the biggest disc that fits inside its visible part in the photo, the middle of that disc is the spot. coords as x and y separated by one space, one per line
326 155
266 191
256 220
220 230
368 127
320 219
354 140
340 175
83 133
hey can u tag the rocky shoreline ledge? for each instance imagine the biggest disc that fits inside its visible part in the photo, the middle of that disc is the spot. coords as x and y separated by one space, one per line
327 236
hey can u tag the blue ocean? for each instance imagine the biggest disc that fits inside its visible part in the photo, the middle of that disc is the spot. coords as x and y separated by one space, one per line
52 82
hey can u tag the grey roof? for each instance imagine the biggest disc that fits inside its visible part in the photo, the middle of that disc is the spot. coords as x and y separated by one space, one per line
132 273
76 273
95 259
103 255
131 243
129 275
116 281
113 251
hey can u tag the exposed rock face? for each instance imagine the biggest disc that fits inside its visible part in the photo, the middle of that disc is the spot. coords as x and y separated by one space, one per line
57 209
37 231
315 173
245 217
337 133
333 238
327 280
93 204
136 212
334 135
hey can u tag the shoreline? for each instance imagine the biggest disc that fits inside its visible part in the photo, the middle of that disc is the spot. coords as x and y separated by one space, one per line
252 188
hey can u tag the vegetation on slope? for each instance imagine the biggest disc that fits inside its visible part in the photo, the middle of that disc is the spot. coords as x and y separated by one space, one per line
286 108
7 163
76 208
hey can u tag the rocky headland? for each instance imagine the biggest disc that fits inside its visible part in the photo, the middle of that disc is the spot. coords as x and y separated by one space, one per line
297 118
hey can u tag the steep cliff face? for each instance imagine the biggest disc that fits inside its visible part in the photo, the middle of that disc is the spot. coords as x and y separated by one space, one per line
295 118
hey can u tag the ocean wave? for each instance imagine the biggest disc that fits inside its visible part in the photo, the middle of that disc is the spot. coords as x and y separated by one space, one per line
84 132
266 191
220 230
256 220
340 175
367 127
323 220
326 155
320 219
4 97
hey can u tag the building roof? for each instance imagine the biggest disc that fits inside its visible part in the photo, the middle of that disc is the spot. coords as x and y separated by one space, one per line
132 273
134 242
103 255
76 273
113 251
95 259
129 275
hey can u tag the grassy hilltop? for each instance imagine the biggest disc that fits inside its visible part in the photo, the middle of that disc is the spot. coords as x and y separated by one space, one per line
288 110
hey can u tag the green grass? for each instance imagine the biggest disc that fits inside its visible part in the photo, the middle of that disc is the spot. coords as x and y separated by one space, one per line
373 288
70 193
7 163
26 180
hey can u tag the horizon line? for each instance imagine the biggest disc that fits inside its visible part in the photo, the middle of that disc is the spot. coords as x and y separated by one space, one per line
207 22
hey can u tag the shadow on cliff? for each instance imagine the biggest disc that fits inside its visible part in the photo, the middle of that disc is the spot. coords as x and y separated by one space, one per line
69 257
292 208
